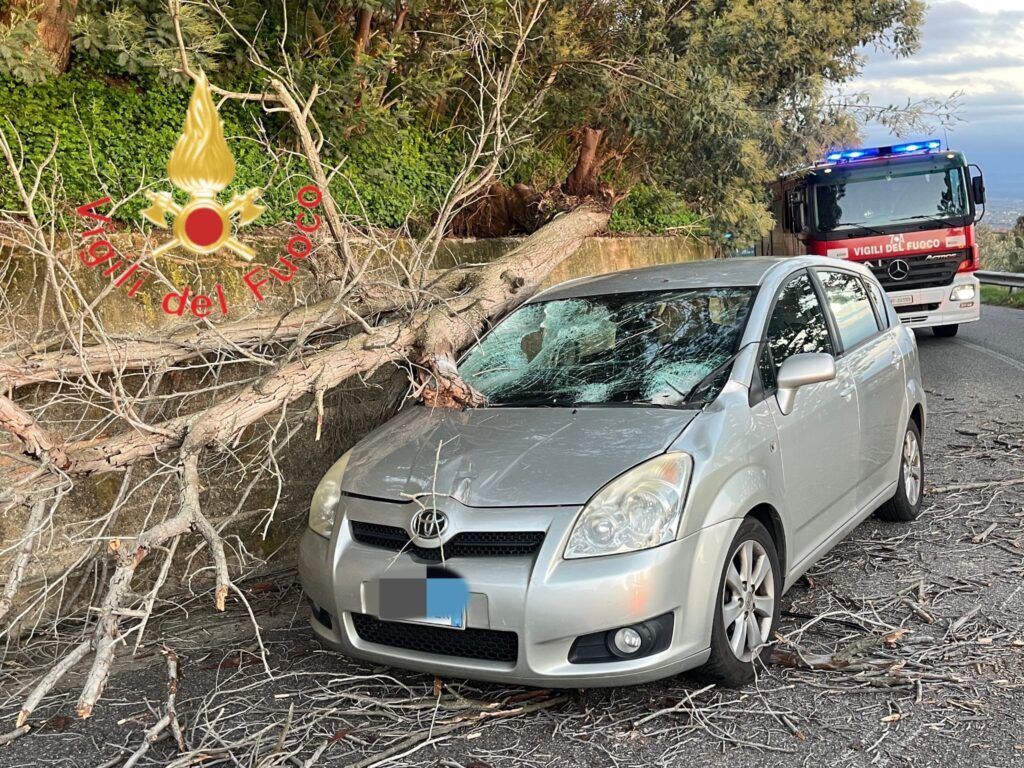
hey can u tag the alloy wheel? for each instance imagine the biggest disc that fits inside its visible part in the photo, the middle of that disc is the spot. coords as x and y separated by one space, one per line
912 470
748 600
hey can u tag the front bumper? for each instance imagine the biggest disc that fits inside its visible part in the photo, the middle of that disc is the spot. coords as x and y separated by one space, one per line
547 601
925 307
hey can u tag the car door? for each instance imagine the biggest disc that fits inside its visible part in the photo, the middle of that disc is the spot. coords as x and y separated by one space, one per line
872 355
819 439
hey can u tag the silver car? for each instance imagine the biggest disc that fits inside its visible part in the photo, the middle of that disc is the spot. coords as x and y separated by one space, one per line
663 453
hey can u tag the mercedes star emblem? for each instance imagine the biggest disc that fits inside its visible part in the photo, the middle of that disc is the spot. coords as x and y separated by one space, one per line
899 269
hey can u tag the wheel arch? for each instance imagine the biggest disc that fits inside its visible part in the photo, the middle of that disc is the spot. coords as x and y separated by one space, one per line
917 416
770 518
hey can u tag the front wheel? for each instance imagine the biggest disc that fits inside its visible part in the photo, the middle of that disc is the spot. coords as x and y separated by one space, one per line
746 606
905 505
945 331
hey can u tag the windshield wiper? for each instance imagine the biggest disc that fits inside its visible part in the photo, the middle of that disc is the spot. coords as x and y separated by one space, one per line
861 225
716 372
934 219
529 402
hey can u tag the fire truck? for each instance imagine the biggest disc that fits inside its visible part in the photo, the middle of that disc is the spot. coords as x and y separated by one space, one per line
906 211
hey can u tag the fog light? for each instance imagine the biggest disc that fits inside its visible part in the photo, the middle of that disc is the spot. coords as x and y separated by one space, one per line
962 293
627 641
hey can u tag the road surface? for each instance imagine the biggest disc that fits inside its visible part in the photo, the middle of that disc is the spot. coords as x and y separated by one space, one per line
914 636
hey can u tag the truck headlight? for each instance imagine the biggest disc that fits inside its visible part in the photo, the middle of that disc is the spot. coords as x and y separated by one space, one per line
326 497
962 293
638 510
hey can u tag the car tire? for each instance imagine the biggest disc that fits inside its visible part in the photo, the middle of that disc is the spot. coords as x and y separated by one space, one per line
905 505
727 666
945 331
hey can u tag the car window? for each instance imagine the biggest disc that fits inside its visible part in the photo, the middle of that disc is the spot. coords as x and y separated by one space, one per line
797 325
875 292
846 297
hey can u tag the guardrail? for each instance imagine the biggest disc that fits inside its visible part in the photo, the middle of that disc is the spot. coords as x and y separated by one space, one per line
1011 280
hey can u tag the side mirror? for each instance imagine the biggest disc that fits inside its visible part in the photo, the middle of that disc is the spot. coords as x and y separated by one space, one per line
799 371
978 189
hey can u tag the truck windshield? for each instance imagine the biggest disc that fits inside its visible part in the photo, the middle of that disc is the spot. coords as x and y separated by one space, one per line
884 197
646 348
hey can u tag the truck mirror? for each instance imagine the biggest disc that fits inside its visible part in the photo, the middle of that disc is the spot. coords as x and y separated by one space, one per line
796 217
978 189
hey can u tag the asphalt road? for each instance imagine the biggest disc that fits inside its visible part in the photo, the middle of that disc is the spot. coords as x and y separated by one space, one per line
904 647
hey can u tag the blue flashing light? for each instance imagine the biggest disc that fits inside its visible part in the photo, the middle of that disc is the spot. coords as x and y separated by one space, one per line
898 149
918 146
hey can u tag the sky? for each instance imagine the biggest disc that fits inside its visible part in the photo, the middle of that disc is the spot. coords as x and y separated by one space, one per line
973 46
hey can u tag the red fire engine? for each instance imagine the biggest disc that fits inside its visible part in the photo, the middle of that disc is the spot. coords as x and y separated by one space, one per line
906 211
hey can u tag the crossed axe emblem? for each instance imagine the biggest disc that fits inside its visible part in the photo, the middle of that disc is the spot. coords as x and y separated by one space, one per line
203 225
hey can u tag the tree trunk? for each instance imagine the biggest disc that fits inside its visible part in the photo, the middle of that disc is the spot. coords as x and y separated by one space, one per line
495 290
54 18
362 36
582 180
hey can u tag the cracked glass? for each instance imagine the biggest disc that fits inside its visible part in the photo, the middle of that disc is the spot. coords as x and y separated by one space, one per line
649 348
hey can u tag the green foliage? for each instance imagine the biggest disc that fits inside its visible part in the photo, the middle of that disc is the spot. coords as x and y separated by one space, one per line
115 135
651 210
1001 297
22 57
1002 251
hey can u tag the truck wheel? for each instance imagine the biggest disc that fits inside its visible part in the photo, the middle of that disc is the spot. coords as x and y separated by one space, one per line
746 606
905 505
945 331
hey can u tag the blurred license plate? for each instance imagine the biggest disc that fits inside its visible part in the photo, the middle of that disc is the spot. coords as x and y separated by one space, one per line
901 300
439 601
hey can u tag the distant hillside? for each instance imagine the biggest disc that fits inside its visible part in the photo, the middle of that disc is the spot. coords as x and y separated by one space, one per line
1002 214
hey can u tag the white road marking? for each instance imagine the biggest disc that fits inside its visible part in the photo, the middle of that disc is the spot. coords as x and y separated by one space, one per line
992 353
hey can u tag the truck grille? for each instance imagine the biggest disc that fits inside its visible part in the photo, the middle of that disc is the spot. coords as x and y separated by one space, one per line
487 644
467 544
925 271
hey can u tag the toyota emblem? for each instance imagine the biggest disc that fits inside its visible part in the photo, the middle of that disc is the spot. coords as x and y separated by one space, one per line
429 524
898 269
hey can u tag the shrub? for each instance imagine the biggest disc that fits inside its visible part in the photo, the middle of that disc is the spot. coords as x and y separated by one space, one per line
651 210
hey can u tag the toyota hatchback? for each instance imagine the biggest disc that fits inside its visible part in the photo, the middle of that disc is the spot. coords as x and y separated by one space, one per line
663 453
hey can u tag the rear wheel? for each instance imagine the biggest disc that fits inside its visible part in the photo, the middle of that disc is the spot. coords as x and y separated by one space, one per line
746 606
906 504
945 331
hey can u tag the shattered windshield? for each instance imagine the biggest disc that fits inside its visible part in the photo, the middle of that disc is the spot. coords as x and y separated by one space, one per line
639 348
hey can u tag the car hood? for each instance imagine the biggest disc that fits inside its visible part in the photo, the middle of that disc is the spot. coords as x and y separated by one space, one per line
508 457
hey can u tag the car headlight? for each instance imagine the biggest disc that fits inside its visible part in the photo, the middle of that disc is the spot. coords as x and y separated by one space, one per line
962 293
326 497
638 510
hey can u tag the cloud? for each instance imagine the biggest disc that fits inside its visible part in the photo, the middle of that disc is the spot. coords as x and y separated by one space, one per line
977 48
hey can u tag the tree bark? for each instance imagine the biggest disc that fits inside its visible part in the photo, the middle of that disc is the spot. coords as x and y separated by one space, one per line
497 289
582 180
362 36
54 18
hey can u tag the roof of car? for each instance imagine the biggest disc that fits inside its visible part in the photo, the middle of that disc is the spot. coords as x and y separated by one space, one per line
738 271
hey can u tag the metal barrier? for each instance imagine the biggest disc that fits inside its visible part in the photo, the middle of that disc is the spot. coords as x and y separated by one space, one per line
1011 280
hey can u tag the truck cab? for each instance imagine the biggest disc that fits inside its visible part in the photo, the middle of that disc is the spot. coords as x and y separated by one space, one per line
905 211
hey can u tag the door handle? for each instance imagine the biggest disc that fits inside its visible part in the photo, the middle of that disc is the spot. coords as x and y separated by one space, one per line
896 357
847 393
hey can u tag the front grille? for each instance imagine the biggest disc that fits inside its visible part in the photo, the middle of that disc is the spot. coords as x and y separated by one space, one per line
924 272
486 644
904 308
466 544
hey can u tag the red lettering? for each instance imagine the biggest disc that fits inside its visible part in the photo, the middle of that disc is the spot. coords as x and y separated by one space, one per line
309 203
307 228
95 260
201 302
282 277
254 285
307 246
89 210
182 302
221 299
